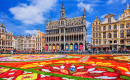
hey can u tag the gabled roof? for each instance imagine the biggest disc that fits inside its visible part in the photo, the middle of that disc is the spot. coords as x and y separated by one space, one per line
109 15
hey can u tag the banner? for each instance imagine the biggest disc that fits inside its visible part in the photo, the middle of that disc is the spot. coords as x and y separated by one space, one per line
71 47
53 47
46 47
57 47
49 47
67 47
81 47
75 47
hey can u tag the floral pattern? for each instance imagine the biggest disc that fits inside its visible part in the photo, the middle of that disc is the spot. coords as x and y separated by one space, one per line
106 67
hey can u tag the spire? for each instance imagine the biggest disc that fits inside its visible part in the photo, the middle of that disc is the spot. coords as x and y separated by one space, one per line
127 6
63 6
84 13
109 12
62 11
49 18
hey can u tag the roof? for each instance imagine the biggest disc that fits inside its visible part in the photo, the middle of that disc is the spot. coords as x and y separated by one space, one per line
2 25
15 37
109 15
42 34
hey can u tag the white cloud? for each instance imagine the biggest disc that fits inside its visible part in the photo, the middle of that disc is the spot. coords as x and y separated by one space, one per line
103 16
88 24
89 36
124 1
109 1
88 7
34 12
31 31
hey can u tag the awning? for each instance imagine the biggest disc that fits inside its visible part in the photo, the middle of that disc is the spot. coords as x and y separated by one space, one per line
127 45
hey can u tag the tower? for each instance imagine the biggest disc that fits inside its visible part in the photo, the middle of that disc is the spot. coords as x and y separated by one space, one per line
84 16
62 11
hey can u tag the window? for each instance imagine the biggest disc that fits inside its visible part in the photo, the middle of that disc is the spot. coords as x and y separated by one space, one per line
115 34
99 27
96 34
109 27
96 28
99 34
96 23
109 35
93 34
104 27
122 33
128 32
93 28
109 20
122 26
96 41
99 41
127 25
93 41
104 35
104 42
115 26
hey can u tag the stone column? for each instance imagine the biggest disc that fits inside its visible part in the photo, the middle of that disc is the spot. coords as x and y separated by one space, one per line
59 39
64 38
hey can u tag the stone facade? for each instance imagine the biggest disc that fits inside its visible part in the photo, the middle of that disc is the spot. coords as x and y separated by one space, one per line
66 34
15 42
112 34
6 39
40 41
26 42
31 42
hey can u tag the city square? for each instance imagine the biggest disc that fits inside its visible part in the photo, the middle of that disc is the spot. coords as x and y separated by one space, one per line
65 40
65 67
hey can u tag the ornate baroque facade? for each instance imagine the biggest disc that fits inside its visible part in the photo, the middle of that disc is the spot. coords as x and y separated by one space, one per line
66 34
6 39
112 34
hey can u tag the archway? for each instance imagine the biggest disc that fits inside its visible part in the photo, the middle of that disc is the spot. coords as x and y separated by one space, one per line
62 46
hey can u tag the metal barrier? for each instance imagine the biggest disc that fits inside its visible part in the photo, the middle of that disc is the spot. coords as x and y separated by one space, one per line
114 52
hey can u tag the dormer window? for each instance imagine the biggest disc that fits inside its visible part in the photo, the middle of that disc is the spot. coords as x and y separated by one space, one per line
109 20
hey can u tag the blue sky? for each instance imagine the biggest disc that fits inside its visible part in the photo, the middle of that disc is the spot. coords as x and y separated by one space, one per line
26 16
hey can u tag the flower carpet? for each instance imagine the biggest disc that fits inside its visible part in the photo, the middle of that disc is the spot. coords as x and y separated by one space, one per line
64 67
